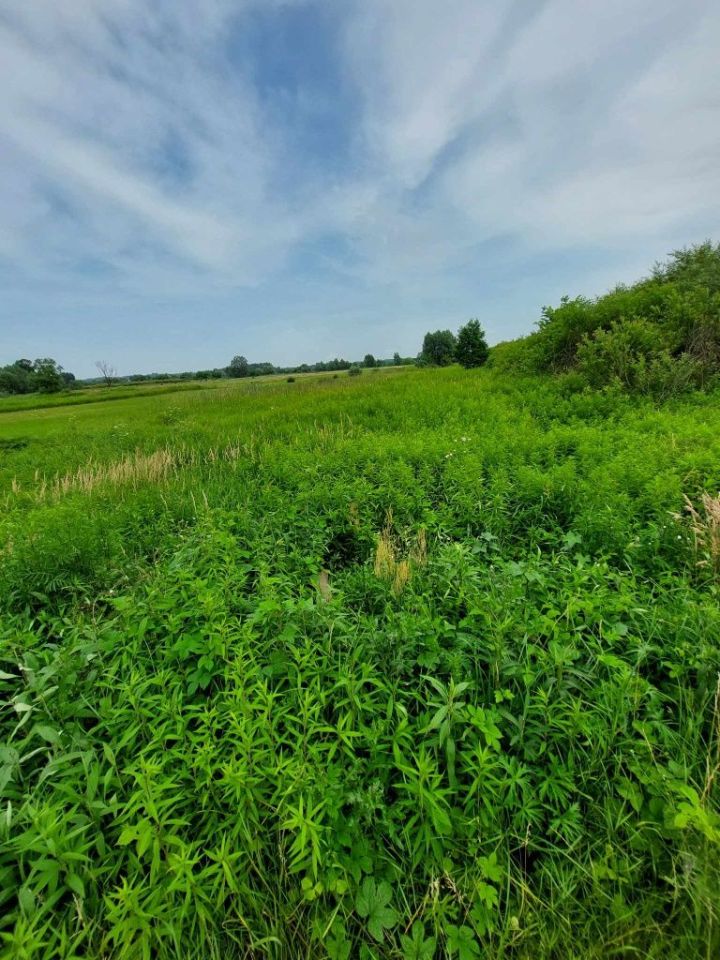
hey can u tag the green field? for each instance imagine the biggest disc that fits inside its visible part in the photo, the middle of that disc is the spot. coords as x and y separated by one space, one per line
421 663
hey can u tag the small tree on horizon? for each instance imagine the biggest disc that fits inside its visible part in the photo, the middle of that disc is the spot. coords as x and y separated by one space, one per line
238 367
107 370
439 348
369 360
472 349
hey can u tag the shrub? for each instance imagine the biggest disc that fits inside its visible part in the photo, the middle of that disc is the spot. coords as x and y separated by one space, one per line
354 371
634 354
516 356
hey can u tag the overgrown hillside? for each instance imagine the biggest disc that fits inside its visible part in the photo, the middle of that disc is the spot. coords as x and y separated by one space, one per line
660 336
414 664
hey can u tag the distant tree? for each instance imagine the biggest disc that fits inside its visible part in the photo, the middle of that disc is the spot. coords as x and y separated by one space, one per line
369 360
260 369
17 377
107 370
48 375
68 378
238 367
438 348
397 359
472 349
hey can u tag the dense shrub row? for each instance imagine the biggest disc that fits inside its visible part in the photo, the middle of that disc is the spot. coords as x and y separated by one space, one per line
660 336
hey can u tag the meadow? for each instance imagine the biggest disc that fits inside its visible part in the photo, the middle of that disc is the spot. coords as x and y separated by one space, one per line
416 664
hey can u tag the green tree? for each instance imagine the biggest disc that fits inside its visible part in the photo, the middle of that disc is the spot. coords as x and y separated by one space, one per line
47 375
17 378
472 349
397 359
238 367
439 348
369 360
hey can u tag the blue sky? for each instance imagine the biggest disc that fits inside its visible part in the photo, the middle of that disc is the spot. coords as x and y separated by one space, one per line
184 180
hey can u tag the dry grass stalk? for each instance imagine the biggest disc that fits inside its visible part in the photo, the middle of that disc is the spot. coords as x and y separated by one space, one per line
323 585
157 467
402 576
385 556
395 569
138 468
419 550
706 530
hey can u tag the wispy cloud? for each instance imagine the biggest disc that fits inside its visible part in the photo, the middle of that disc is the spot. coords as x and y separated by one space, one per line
385 163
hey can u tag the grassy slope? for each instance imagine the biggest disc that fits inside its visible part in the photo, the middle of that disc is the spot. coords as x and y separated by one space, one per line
208 756
97 394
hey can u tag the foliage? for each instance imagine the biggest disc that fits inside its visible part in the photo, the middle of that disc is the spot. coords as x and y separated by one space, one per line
228 730
659 336
238 367
42 376
438 348
471 349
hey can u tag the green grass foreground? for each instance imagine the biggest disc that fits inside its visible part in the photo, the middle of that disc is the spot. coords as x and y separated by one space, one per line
418 664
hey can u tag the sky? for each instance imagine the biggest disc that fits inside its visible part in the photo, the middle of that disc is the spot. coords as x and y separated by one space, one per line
293 180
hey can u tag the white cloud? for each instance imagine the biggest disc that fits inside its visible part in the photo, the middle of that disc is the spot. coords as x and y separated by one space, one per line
94 93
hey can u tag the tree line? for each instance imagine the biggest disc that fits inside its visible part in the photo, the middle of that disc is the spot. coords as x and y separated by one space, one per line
469 348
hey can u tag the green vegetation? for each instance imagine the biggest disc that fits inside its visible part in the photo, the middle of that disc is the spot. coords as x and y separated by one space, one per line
660 336
471 349
442 348
39 376
413 665
94 394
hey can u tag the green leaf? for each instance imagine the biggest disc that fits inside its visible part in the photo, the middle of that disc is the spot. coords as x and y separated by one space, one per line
461 941
75 884
26 899
417 947
338 946
372 905
47 733
490 868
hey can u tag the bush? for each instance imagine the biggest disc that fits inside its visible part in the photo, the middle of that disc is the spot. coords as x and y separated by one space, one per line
659 336
515 356
633 354
354 371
